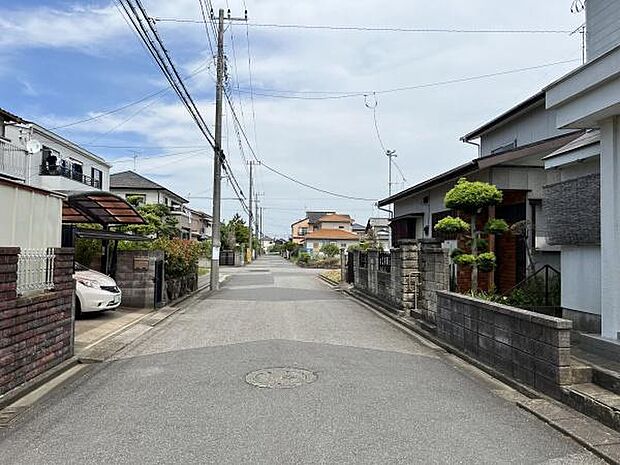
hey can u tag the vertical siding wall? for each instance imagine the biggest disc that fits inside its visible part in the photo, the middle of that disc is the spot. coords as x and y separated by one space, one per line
602 26
36 332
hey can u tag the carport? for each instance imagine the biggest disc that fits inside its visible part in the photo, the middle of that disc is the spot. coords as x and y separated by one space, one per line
106 210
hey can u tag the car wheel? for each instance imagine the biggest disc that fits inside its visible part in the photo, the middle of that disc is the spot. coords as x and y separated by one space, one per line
78 307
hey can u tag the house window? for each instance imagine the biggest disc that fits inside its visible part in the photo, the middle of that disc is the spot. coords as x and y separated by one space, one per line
2 128
77 171
136 199
96 177
315 245
303 231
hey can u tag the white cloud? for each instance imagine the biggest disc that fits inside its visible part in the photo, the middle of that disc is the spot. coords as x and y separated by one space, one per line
329 143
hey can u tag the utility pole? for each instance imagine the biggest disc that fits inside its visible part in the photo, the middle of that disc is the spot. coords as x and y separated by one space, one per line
217 158
250 214
256 224
218 153
390 154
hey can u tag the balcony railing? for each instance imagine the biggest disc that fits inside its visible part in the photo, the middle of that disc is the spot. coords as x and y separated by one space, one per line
35 270
13 161
69 173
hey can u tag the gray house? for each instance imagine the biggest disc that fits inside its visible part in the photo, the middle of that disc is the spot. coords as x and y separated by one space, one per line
588 98
511 152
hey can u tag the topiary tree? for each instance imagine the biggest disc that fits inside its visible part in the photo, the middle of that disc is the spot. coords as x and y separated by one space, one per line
470 197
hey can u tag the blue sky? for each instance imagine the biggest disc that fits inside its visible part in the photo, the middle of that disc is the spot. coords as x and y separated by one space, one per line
62 61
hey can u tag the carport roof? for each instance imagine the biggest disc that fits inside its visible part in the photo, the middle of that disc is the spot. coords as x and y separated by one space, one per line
98 207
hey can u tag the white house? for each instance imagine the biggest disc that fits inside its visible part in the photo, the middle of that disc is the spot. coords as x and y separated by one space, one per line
55 163
193 224
589 98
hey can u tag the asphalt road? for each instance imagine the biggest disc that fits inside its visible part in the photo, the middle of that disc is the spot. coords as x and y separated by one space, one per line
372 393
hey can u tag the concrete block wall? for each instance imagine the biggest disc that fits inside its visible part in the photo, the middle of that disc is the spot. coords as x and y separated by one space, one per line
527 346
138 286
36 331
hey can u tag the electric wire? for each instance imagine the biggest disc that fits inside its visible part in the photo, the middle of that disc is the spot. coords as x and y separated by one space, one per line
382 28
273 93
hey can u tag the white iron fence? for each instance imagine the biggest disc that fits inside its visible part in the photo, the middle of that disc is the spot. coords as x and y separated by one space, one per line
35 270
12 160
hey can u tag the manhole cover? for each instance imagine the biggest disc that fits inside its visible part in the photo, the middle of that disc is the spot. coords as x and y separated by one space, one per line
280 378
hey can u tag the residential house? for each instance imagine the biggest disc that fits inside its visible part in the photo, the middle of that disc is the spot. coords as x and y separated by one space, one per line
200 224
512 147
299 229
359 229
193 224
381 230
267 242
314 217
52 162
588 177
331 228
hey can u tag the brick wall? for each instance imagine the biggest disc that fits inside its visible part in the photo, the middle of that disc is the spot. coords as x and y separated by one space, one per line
36 332
527 346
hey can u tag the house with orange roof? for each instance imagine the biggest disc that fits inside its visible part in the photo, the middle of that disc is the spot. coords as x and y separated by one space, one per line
333 228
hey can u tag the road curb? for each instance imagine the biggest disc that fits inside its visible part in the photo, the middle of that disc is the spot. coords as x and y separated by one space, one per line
577 426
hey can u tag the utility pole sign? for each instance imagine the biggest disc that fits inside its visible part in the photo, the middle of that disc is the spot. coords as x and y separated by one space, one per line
218 153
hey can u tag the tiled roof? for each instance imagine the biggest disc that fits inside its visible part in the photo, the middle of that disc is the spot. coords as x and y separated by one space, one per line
131 180
336 234
333 218
313 217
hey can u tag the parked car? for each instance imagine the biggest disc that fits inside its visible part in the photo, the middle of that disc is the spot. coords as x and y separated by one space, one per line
95 292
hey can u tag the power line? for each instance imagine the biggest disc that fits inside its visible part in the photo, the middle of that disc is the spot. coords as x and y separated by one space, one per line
144 98
344 94
324 191
384 28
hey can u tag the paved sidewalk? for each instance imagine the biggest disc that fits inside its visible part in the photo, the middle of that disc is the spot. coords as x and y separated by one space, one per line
206 386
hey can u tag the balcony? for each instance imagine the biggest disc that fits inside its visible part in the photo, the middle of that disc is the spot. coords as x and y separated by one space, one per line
48 169
13 162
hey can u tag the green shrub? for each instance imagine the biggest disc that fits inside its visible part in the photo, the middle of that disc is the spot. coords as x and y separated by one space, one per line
456 252
304 257
451 225
331 250
470 196
496 226
464 259
486 261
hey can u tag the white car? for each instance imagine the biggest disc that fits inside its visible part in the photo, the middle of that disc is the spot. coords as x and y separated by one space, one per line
95 292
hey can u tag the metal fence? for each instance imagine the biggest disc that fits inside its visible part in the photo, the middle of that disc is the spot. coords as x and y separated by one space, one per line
12 160
35 270
385 262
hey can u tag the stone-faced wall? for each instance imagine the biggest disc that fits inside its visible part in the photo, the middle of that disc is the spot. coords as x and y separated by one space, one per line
526 346
36 332
573 211
417 270
434 276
